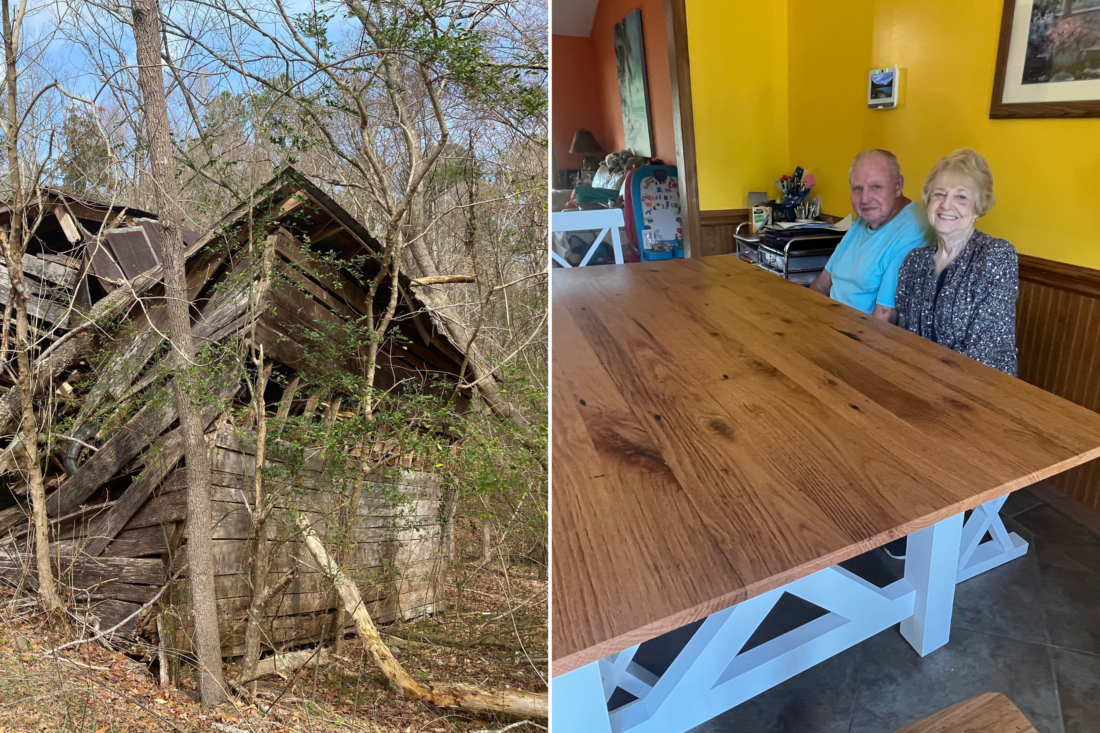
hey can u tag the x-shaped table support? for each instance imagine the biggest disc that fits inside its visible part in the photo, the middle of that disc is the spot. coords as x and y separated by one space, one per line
712 674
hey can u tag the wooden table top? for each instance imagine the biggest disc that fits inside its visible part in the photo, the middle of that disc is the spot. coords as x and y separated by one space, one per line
718 432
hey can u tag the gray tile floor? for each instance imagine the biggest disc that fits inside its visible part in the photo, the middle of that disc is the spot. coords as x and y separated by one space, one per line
1029 629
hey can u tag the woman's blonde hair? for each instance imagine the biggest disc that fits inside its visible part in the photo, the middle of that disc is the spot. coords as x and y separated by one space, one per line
970 164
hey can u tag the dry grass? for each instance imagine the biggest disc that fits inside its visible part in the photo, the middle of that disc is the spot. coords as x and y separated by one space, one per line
496 639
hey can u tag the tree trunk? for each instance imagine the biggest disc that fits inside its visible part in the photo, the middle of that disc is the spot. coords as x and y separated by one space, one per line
200 545
15 246
465 697
260 559
444 280
351 518
486 540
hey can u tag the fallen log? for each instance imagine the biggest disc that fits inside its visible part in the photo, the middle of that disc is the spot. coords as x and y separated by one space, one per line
464 697
289 662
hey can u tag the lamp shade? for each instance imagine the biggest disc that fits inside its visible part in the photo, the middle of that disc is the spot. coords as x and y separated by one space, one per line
584 143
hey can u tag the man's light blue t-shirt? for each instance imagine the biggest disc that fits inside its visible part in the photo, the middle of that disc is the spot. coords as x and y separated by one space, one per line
865 264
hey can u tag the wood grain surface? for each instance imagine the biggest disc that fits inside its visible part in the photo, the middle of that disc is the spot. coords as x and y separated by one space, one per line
988 713
718 432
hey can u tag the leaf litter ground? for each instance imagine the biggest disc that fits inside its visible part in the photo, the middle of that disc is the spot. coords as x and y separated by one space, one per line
496 638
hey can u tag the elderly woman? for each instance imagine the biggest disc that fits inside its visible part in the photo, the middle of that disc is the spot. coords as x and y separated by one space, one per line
962 292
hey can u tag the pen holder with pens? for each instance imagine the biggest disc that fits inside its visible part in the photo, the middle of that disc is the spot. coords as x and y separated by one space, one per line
782 211
795 189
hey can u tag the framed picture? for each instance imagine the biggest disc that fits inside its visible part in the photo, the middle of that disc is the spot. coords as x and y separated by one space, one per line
633 84
1048 61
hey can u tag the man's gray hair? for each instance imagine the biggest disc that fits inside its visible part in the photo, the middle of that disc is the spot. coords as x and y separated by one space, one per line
891 160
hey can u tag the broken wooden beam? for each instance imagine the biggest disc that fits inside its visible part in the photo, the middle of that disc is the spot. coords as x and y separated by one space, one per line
281 664
141 430
465 697
166 453
444 279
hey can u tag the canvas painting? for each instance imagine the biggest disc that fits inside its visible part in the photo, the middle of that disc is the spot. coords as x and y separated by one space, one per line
1048 63
633 84
1063 42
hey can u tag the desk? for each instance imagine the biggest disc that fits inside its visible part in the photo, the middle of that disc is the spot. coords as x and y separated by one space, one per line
608 221
722 436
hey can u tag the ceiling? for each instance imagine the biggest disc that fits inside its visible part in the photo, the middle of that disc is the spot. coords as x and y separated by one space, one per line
573 17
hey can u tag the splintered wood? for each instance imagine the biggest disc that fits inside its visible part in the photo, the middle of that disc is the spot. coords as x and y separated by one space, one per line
465 697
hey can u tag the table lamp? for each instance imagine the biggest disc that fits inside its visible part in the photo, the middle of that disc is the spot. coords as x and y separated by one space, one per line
584 143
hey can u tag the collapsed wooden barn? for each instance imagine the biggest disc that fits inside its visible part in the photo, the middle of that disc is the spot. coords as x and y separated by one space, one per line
119 506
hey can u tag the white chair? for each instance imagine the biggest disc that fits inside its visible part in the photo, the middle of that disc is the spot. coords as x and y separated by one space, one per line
606 220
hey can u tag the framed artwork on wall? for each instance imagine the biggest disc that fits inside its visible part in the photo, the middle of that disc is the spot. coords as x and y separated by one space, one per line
633 84
1048 60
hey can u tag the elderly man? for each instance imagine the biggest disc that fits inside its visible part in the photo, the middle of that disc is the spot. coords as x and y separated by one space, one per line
863 271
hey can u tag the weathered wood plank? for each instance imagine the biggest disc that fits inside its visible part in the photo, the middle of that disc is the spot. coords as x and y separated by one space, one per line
231 520
139 432
286 631
85 571
239 586
110 611
45 303
326 276
308 286
231 556
141 542
166 453
120 591
53 272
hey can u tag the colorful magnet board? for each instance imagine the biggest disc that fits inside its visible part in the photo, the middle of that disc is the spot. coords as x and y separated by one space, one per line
653 208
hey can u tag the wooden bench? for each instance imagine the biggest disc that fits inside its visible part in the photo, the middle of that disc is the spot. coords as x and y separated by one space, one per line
988 713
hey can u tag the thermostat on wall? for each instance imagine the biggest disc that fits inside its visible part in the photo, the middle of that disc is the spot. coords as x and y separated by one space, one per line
883 88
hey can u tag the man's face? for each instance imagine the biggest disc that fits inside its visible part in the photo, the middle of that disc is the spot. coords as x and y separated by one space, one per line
874 190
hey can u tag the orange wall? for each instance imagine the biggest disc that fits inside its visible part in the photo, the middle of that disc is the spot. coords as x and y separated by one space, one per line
585 83
655 38
576 100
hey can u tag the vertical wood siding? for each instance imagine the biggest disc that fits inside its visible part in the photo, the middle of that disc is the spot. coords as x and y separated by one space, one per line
1058 334
717 229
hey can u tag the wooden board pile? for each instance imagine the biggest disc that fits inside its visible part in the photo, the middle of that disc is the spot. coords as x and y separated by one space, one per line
116 483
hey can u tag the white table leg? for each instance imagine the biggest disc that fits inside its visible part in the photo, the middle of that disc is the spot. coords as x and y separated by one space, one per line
975 556
577 703
711 674
931 567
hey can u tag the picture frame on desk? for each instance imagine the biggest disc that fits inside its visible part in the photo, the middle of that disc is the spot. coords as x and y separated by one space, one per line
1046 63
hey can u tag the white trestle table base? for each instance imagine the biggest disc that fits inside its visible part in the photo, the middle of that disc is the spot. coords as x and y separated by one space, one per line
711 675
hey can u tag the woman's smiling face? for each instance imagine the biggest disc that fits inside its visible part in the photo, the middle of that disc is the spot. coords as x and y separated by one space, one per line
952 203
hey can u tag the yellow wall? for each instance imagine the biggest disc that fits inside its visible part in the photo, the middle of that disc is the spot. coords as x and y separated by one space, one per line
828 91
1046 172
738 51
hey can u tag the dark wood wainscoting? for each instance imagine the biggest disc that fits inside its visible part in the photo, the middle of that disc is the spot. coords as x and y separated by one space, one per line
717 229
718 225
1058 335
